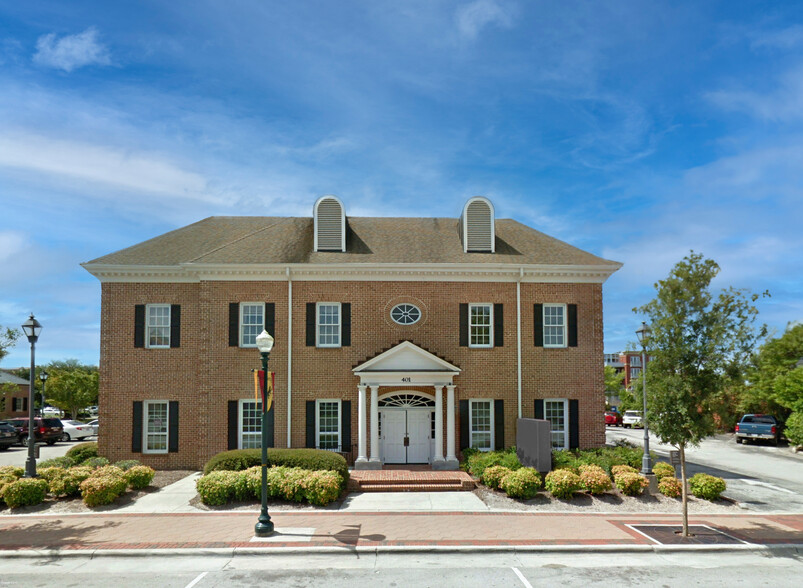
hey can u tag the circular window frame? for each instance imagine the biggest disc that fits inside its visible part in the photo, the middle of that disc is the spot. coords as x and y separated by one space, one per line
406 313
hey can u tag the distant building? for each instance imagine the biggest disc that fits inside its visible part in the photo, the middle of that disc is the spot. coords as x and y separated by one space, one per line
627 363
15 403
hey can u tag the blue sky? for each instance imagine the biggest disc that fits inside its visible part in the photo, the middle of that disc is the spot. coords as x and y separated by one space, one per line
635 130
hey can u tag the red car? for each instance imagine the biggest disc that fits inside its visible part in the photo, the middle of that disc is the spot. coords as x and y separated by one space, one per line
613 419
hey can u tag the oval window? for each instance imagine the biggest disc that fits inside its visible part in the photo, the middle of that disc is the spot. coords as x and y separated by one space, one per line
405 314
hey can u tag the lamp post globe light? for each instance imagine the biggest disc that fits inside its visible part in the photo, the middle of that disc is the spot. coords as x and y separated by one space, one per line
264 526
43 376
643 334
31 328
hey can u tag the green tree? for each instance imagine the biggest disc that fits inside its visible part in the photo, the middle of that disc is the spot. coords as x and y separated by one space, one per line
700 344
72 390
613 382
8 338
775 380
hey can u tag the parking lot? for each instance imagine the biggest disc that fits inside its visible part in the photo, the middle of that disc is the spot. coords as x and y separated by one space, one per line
17 454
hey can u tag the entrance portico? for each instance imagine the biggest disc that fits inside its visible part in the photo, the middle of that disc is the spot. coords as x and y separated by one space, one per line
405 365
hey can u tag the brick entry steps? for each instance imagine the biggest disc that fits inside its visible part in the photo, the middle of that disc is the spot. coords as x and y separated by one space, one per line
409 480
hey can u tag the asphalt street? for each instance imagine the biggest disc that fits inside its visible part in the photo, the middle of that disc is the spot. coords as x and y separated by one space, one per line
17 454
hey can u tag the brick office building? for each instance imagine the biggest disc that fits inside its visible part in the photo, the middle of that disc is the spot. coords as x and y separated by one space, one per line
15 401
398 340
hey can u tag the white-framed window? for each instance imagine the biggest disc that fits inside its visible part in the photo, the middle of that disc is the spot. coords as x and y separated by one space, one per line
634 373
327 424
635 361
481 424
154 431
480 325
250 424
328 324
554 325
252 321
556 411
18 404
157 326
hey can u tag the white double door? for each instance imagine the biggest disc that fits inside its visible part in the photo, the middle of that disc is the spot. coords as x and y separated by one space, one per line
406 435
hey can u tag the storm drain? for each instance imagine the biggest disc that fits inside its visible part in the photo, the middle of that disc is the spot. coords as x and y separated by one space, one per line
701 535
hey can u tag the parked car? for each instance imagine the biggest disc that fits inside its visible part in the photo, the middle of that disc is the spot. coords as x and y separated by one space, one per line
632 418
45 430
613 418
758 426
51 411
94 425
76 430
8 435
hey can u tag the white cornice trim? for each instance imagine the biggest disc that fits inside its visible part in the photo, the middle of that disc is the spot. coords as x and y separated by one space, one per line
356 272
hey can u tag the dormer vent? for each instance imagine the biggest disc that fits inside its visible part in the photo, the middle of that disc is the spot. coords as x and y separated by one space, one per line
477 226
330 224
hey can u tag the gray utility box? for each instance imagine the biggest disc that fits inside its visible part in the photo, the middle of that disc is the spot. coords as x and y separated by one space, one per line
534 444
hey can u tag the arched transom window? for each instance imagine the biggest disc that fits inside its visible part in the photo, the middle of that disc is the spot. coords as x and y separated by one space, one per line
406 400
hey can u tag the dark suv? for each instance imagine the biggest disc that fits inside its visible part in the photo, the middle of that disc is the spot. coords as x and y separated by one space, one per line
45 430
8 435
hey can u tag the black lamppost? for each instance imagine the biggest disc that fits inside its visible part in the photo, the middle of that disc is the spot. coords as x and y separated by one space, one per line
643 333
43 376
264 526
31 328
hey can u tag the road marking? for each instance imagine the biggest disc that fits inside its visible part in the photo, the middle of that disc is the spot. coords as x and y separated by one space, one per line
765 485
197 579
521 577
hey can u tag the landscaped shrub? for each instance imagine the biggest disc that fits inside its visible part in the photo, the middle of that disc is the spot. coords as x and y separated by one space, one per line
594 479
670 486
630 483
618 470
56 462
96 462
83 451
139 476
318 487
604 457
13 471
794 428
706 486
322 487
127 464
50 472
68 482
308 459
493 475
25 492
562 483
521 483
104 486
217 487
485 459
663 470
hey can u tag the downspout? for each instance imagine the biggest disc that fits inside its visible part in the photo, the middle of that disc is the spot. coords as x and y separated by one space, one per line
518 334
289 356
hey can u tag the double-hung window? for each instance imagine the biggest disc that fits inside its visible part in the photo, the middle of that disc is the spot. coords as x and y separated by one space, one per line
481 424
250 424
252 321
327 425
480 325
155 429
554 325
328 324
635 373
556 412
157 326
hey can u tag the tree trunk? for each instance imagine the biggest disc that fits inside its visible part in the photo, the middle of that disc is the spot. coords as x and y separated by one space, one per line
685 495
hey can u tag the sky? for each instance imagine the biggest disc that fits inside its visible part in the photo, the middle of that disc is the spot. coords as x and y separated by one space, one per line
637 131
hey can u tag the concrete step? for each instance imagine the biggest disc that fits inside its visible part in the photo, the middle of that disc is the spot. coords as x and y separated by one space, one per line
410 481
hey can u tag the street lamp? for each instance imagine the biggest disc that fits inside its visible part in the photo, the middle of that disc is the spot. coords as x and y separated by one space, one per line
643 333
43 376
264 526
31 328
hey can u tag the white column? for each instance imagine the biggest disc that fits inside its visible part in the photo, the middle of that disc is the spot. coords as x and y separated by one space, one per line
438 424
363 426
450 454
375 423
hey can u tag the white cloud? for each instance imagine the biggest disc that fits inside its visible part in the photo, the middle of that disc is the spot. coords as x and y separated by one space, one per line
787 38
780 104
72 51
11 243
472 18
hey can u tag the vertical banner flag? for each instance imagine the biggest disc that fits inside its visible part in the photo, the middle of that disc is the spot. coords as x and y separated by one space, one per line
259 384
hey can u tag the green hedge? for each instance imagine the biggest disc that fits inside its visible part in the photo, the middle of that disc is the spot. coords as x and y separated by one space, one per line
706 486
478 461
25 492
604 457
82 451
308 459
104 486
521 483
562 483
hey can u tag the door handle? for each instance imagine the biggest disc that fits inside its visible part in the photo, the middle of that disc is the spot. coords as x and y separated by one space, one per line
407 442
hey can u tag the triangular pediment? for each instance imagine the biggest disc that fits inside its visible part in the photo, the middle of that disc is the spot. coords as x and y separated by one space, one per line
406 357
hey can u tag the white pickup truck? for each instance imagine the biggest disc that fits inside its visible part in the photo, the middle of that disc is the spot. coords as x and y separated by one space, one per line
632 418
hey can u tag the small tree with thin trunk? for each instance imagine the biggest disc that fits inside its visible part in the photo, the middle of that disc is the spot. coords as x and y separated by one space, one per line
699 343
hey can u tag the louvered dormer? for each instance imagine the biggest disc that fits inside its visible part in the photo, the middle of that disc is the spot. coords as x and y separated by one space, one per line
477 226
330 224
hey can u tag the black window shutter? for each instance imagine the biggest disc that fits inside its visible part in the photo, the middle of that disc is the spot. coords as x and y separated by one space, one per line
234 324
572 310
172 426
463 325
574 424
311 324
270 318
499 424
539 408
311 423
345 425
139 325
499 326
345 329
465 438
25 404
175 325
233 424
538 324
136 428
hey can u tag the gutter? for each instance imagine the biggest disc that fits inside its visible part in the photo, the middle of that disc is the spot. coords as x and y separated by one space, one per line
289 356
